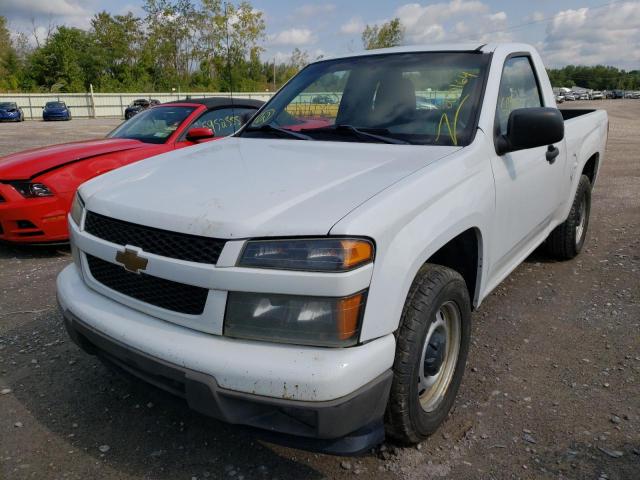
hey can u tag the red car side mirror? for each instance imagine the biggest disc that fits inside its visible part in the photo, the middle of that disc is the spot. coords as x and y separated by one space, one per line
196 134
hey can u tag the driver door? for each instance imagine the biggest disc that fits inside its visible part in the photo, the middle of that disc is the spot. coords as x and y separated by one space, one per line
528 186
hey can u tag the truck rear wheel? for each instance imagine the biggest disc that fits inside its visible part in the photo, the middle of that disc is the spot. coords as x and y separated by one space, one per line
567 239
431 352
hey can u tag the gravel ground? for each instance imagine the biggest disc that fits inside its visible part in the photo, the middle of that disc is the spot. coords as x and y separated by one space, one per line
552 388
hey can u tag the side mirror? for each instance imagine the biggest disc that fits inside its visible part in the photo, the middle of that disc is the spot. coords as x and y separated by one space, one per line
196 134
247 116
530 128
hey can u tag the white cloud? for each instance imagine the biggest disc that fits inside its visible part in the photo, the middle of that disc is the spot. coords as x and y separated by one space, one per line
35 8
608 35
355 25
293 37
39 17
536 17
311 10
64 12
285 57
453 21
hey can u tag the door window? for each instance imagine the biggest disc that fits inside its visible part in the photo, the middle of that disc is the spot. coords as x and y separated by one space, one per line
223 121
518 89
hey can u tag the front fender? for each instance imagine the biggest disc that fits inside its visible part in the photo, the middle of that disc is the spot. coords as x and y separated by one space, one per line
412 219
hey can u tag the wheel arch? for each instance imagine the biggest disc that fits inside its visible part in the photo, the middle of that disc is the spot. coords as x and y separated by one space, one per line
590 168
463 254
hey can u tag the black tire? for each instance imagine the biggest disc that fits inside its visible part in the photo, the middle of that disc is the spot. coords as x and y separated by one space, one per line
566 240
406 420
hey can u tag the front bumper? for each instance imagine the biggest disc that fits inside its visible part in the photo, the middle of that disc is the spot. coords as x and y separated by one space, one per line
360 412
56 116
311 392
47 215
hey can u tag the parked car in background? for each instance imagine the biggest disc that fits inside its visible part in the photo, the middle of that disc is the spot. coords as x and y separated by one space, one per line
559 98
37 186
633 95
324 100
583 96
319 281
138 106
425 103
597 95
618 94
569 97
10 112
56 111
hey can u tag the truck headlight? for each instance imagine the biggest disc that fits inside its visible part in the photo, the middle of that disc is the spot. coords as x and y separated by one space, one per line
302 320
314 254
32 190
77 208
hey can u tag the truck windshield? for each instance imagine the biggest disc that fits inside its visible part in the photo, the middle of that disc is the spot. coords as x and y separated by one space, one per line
430 98
154 125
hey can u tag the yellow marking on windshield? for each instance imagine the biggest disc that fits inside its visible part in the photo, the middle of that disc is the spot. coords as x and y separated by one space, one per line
452 132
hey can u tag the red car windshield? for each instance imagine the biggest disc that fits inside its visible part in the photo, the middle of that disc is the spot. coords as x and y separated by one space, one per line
154 125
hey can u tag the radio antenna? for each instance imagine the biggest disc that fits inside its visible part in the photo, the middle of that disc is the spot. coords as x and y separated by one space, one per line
229 72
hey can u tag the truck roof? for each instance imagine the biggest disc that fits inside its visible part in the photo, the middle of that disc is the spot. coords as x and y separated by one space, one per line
442 47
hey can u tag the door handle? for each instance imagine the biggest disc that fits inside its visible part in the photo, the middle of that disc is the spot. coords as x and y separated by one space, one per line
552 153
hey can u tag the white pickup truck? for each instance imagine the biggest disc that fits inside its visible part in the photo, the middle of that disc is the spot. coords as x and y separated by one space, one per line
314 274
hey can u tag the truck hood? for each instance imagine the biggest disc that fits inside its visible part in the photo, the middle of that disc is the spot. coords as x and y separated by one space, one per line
242 187
31 163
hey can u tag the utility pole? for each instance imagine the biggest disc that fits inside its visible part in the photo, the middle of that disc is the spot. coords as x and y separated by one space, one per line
274 74
92 111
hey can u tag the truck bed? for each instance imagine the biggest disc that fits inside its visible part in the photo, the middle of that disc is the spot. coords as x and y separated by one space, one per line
570 113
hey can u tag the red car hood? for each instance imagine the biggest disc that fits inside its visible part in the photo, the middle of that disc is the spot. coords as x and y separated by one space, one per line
31 163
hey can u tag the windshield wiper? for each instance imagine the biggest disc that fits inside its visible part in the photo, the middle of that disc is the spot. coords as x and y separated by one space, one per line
344 128
270 128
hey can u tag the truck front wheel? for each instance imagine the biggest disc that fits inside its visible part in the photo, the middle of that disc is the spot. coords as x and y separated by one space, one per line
567 239
431 352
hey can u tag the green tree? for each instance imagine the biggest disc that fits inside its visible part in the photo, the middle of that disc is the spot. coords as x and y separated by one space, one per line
65 60
598 77
119 44
170 40
389 34
9 61
228 39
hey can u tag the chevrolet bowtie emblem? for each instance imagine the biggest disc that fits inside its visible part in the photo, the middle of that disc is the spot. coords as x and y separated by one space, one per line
131 260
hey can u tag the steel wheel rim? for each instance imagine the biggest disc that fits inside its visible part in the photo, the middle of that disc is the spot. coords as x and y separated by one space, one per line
582 222
432 387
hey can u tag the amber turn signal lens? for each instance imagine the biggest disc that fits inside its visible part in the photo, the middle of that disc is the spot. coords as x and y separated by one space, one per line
349 315
356 252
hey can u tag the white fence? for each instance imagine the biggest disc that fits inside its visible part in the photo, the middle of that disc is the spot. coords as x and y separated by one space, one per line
105 104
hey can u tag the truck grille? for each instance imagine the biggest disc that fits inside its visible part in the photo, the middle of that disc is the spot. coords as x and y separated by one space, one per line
162 293
182 246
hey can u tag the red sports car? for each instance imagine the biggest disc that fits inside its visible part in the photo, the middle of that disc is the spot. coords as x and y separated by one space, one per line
37 186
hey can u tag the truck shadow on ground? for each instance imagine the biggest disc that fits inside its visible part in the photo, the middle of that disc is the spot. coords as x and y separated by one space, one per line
149 433
9 250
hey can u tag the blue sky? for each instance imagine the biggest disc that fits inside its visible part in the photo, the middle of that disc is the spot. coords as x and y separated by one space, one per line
569 31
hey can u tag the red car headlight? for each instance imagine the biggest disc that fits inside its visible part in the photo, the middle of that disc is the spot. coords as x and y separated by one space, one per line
32 190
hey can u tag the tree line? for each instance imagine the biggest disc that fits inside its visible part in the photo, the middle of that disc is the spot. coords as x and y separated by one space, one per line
182 44
204 45
598 77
